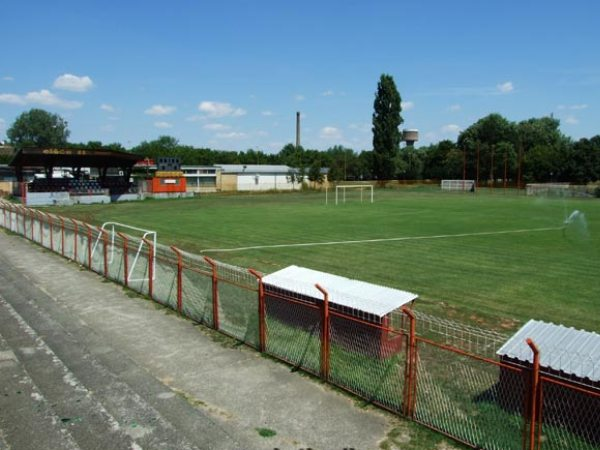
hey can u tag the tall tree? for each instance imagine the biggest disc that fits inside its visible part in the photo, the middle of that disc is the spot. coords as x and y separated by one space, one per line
386 134
38 128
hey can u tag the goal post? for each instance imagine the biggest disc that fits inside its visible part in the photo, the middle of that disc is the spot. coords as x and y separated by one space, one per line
341 196
457 185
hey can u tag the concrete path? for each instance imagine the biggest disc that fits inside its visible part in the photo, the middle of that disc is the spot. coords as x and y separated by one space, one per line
85 365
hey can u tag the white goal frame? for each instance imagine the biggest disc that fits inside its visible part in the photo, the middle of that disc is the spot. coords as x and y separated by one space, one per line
111 229
343 187
457 185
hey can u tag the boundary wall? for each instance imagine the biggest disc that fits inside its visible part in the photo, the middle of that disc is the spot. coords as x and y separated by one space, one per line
439 373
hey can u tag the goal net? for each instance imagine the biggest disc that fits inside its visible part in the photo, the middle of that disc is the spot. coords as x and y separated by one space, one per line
356 192
458 185
556 190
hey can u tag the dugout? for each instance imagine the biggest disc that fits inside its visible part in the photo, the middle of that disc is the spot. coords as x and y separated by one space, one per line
93 174
362 314
569 356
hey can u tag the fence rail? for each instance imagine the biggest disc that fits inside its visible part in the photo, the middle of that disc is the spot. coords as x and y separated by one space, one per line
440 373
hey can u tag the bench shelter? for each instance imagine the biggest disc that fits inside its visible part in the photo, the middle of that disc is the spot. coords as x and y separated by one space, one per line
361 312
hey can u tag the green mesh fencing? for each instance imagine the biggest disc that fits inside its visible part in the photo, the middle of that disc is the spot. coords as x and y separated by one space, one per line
293 332
470 399
165 281
197 295
368 360
137 260
570 417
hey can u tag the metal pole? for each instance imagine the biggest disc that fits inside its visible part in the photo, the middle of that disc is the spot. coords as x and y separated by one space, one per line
262 328
410 372
215 291
179 278
125 258
150 268
535 377
324 334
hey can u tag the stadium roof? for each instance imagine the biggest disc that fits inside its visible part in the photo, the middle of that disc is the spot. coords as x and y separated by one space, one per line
71 157
568 350
359 295
253 169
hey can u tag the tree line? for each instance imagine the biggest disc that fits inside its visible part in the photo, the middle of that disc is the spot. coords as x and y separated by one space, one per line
492 149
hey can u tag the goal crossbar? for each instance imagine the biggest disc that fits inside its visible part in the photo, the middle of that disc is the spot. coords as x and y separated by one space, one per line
344 187
111 228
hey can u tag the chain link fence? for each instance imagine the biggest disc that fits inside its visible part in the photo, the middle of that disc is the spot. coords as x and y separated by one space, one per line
440 373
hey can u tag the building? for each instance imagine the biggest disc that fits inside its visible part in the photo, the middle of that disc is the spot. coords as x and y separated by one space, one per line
202 179
256 177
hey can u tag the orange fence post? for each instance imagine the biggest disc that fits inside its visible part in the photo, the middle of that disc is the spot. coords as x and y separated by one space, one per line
179 278
262 329
31 216
62 236
104 247
410 371
40 216
324 334
125 258
215 291
74 240
150 268
51 225
89 245
535 379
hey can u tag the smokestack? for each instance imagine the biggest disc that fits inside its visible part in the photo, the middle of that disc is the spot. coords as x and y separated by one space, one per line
298 129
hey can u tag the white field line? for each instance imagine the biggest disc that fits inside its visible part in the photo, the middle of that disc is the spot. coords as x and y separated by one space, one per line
366 241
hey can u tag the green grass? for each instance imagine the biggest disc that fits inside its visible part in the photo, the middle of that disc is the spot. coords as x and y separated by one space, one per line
496 280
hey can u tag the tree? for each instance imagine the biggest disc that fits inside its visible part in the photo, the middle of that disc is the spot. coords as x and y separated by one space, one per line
38 128
314 173
386 135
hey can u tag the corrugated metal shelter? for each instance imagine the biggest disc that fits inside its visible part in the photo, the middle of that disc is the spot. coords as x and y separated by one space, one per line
372 304
564 351
256 177
572 358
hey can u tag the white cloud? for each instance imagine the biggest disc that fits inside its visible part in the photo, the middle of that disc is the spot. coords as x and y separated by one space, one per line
70 82
163 125
454 108
47 98
267 113
160 110
12 99
505 87
231 135
7 78
299 97
220 109
407 106
107 107
573 107
327 93
362 127
216 127
571 120
330 133
450 129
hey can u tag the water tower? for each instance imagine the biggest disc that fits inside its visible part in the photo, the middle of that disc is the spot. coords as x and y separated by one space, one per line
410 137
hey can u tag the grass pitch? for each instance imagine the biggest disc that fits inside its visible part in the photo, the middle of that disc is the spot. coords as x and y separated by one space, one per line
495 259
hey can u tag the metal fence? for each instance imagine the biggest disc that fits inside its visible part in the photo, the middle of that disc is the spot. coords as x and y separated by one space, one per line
440 373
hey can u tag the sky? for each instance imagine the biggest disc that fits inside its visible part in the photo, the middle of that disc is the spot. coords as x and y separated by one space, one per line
231 75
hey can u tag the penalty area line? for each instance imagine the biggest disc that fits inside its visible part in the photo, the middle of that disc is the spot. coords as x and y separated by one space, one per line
367 241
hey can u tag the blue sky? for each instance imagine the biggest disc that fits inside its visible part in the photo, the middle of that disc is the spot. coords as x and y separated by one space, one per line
232 74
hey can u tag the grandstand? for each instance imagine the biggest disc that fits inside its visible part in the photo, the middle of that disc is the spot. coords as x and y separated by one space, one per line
94 176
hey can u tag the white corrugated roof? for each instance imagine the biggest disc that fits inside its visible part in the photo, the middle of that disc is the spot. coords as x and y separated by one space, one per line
574 352
366 297
253 169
